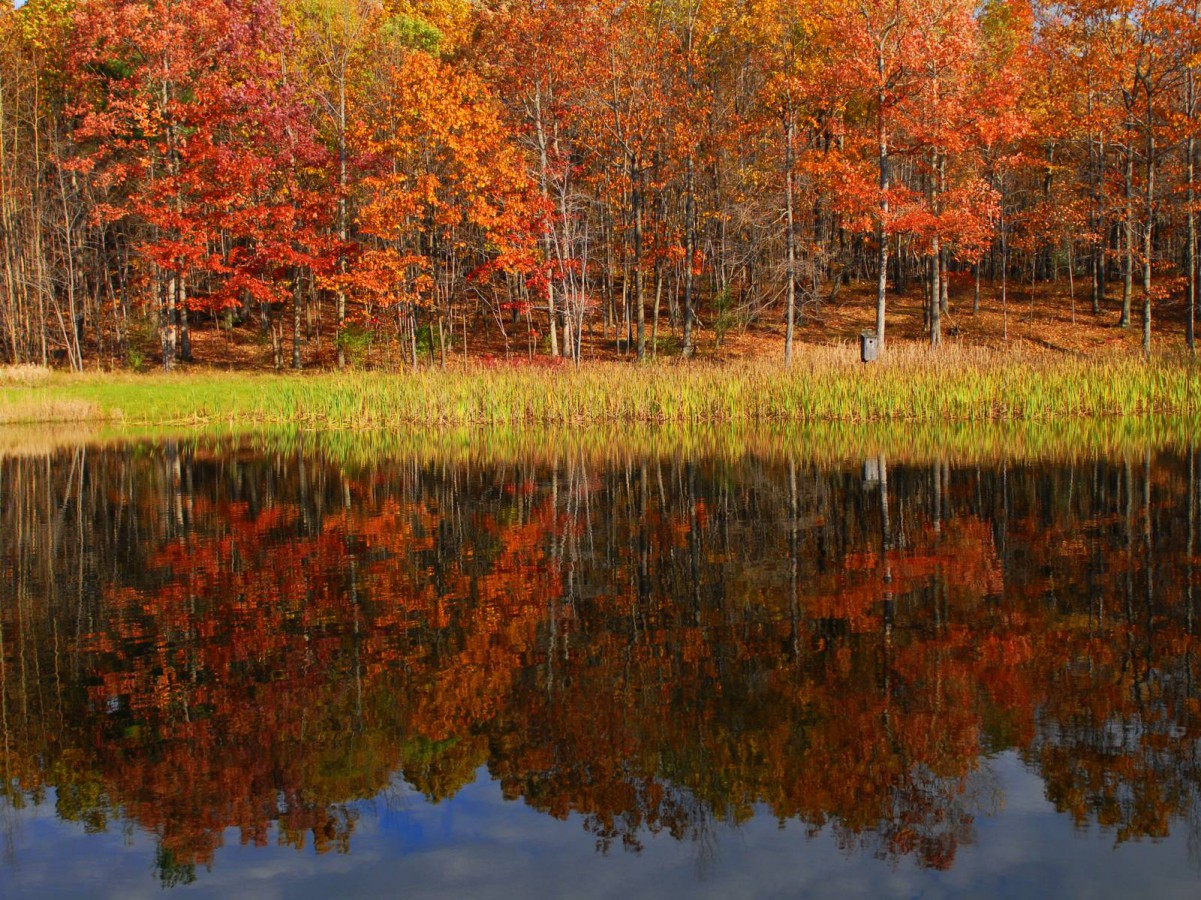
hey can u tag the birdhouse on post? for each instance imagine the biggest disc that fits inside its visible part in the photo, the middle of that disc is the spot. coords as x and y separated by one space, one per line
869 346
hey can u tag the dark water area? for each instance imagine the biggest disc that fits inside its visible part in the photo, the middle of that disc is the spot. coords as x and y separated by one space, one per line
248 671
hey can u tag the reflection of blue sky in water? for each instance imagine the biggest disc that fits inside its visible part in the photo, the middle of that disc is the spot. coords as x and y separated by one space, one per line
478 845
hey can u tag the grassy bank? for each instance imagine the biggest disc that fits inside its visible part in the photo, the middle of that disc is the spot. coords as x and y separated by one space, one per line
911 385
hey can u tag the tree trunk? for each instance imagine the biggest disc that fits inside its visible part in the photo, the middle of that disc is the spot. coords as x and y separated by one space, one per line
1128 244
687 347
296 321
686 343
1190 255
166 322
935 298
639 280
655 315
181 314
789 240
343 224
944 262
881 222
1149 212
544 187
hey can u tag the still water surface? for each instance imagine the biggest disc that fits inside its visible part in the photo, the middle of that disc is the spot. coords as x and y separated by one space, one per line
234 669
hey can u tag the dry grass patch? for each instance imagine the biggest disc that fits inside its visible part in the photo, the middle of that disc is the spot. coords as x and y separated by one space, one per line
24 376
49 410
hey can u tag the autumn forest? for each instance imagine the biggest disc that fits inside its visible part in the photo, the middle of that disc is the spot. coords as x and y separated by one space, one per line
325 177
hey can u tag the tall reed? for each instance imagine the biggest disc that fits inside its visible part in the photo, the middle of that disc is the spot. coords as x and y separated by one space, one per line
825 386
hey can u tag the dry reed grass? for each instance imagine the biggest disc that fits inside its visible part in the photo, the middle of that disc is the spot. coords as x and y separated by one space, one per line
910 384
23 376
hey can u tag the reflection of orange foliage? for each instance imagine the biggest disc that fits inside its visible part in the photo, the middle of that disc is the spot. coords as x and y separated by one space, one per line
633 659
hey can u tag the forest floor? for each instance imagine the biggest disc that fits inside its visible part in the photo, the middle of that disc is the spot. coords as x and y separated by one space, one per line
1044 323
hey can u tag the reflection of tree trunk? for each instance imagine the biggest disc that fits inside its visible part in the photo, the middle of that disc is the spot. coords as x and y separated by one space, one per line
1004 524
1148 550
644 575
1094 557
886 543
694 550
1192 530
886 530
793 556
1128 593
6 756
358 641
937 517
886 548
1190 553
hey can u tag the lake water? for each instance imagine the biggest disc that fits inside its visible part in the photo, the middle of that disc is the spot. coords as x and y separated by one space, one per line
293 668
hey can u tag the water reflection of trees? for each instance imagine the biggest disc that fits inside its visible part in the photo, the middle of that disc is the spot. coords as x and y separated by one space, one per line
195 640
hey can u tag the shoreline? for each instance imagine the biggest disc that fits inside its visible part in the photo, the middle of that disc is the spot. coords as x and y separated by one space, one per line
819 443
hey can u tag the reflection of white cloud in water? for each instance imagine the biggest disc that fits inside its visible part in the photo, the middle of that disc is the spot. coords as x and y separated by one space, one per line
480 846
